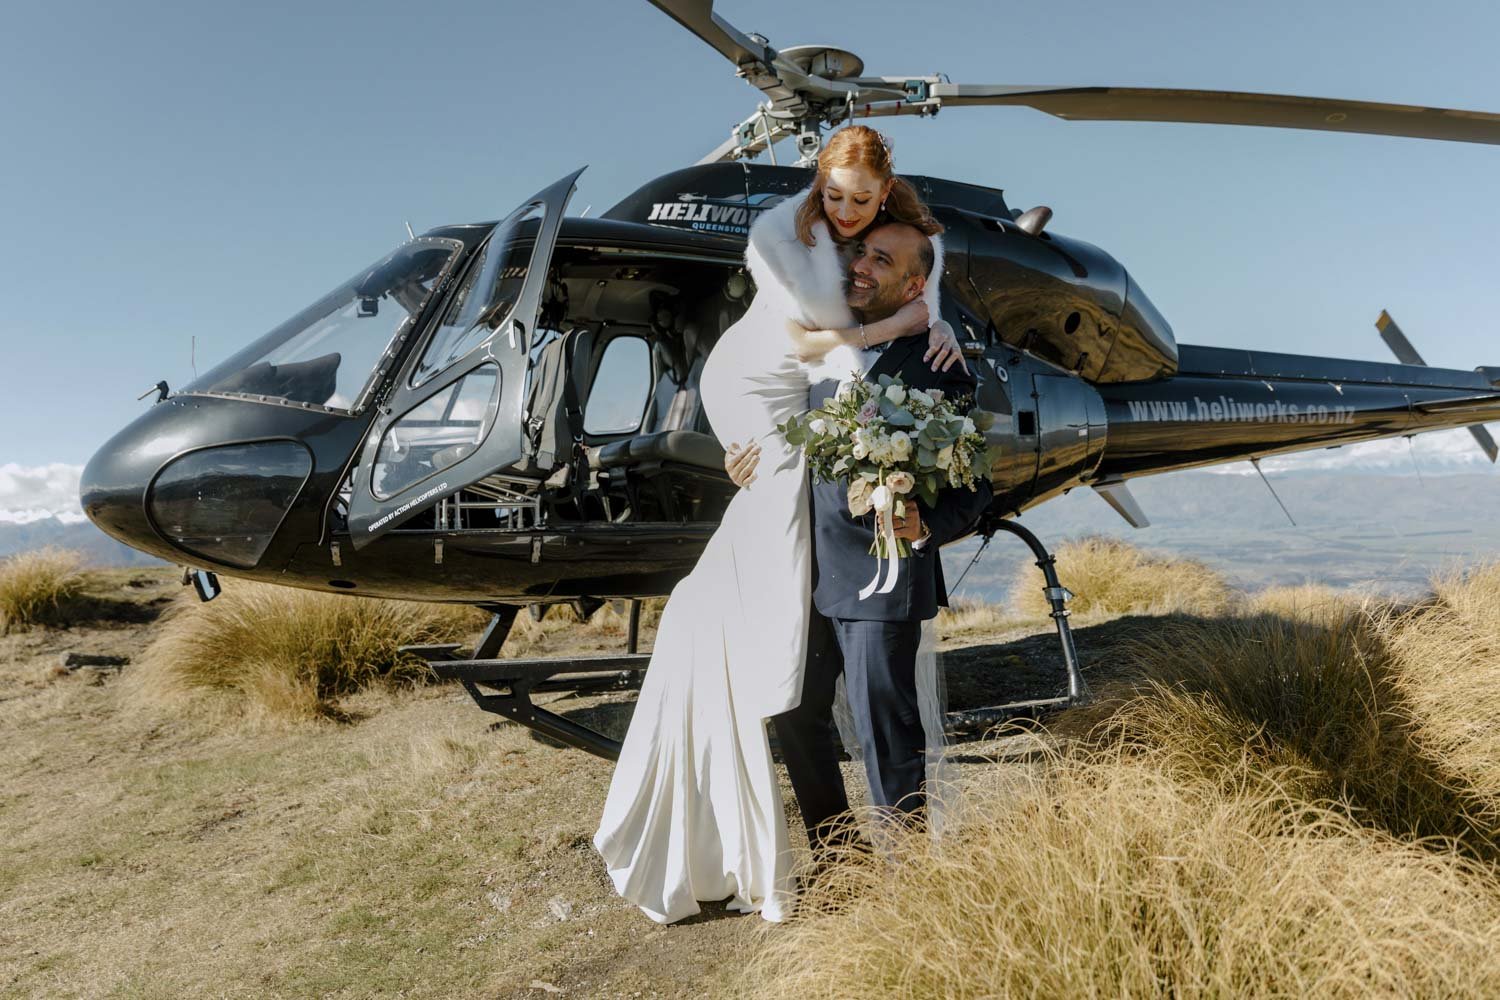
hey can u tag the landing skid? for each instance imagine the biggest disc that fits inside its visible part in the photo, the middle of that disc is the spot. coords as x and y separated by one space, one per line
513 681
505 686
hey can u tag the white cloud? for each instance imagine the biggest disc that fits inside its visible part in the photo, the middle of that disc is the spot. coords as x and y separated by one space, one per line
1437 453
33 493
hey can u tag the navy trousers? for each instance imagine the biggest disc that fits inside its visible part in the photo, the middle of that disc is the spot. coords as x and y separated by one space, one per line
878 661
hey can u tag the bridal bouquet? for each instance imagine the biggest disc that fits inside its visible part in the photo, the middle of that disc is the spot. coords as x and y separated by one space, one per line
891 442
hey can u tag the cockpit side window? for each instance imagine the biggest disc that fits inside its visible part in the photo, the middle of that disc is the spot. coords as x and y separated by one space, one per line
332 354
487 295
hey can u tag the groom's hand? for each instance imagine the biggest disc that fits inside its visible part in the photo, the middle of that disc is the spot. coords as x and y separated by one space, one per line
741 463
910 526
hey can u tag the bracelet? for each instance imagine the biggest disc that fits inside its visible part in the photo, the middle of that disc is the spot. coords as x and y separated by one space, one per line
865 343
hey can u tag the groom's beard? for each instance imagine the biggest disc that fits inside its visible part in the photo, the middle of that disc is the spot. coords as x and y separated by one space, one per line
875 304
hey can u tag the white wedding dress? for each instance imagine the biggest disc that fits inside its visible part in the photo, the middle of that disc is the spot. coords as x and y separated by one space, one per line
694 810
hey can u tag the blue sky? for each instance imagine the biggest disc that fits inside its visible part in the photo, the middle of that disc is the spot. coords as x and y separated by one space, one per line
172 171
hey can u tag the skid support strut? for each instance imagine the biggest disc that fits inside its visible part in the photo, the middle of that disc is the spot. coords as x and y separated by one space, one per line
1057 598
511 682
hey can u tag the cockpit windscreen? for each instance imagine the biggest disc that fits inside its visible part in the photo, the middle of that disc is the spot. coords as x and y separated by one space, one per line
329 354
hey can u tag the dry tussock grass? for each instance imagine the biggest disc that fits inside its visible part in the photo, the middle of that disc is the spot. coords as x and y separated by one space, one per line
1108 576
1448 654
1300 796
966 615
35 587
562 622
1105 876
288 653
1325 699
1308 602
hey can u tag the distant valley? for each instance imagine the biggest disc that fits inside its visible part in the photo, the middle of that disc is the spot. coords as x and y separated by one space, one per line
1374 530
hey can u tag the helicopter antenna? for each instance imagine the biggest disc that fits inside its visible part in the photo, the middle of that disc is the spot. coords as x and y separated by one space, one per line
977 553
1256 462
193 354
409 234
1411 447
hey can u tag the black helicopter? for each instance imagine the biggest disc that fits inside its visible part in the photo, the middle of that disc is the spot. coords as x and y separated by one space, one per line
506 413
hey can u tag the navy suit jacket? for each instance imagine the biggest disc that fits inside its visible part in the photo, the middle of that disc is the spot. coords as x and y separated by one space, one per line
841 542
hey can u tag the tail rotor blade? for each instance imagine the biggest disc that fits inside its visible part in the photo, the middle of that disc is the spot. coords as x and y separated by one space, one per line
1407 355
1396 340
1482 435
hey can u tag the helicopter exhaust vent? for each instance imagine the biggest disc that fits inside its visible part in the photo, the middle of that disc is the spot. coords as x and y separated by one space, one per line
1034 220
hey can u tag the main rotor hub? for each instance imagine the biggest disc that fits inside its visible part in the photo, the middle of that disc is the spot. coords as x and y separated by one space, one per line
824 60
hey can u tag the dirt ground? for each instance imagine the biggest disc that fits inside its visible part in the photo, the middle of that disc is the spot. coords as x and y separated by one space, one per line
426 849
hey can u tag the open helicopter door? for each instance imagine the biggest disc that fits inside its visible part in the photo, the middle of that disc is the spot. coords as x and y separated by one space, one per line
454 414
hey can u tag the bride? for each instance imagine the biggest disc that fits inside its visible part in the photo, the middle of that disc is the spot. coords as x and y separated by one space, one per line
694 810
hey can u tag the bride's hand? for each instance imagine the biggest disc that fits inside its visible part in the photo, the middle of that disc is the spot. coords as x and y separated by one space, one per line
943 349
740 463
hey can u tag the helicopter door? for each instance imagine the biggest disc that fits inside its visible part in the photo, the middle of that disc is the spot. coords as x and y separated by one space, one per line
454 415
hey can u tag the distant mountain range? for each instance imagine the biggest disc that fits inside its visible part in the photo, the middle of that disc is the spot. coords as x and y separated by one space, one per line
1366 529
78 534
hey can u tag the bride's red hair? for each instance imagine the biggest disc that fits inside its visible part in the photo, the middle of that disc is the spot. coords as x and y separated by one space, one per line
862 146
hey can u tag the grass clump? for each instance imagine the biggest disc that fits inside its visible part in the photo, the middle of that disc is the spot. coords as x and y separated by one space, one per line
1321 700
36 587
1102 875
293 653
1108 576
1308 602
1447 651
965 615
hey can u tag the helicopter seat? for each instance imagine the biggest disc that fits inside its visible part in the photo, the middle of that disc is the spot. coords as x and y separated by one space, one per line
673 465
687 448
556 417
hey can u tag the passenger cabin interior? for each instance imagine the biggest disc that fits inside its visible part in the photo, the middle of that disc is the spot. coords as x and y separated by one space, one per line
615 426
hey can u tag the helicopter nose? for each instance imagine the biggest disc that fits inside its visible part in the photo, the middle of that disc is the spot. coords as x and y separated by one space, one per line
200 480
114 482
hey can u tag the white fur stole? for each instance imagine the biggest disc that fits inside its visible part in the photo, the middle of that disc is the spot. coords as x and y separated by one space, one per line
811 279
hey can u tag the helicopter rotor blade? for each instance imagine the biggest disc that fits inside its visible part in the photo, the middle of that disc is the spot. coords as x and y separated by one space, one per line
1227 107
1407 354
698 17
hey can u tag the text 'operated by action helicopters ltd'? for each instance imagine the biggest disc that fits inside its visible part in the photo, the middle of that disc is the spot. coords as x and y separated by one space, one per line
506 414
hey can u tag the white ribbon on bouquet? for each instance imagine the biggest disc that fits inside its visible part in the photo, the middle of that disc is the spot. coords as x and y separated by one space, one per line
888 568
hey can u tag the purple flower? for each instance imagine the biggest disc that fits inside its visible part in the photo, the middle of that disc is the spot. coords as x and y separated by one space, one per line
868 412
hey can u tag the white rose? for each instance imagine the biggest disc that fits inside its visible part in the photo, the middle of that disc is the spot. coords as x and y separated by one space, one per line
861 450
818 425
895 394
901 482
945 457
918 396
968 426
900 447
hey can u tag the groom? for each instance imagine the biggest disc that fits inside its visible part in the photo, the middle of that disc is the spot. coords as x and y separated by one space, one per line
872 642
